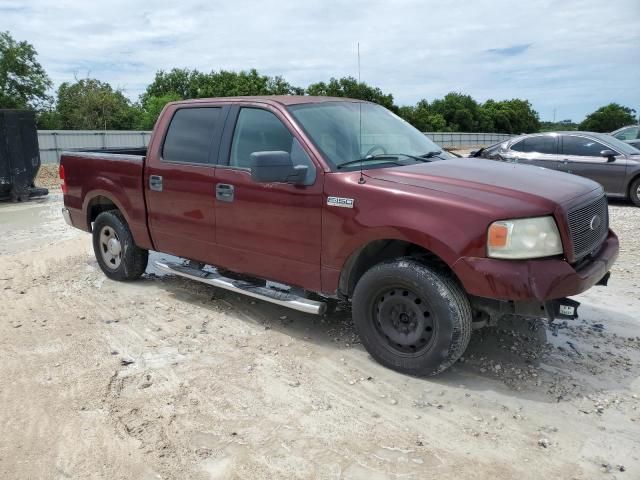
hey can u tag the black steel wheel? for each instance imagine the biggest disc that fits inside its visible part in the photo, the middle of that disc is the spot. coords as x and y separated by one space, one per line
403 320
411 317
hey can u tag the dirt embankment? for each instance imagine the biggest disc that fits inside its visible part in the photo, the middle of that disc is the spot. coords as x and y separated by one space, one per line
48 176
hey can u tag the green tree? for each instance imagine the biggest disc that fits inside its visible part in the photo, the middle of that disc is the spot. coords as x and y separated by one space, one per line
195 84
151 108
48 119
23 81
351 88
92 104
608 118
511 116
423 118
561 125
461 112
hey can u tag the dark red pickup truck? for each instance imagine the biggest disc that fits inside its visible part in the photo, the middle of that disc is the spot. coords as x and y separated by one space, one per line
303 201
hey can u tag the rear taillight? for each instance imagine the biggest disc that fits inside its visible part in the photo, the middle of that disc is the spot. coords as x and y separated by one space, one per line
64 182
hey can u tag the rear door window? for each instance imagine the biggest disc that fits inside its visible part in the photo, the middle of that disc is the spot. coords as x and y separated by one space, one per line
630 133
581 146
544 144
190 135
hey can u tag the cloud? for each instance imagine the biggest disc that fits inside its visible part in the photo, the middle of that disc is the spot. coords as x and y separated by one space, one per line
410 48
511 51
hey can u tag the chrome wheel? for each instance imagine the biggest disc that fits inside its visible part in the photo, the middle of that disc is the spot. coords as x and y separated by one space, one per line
110 247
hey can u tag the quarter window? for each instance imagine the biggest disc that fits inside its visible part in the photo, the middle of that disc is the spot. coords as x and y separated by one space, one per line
582 146
190 135
542 144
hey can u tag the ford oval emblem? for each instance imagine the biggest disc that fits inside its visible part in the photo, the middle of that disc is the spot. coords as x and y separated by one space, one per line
595 222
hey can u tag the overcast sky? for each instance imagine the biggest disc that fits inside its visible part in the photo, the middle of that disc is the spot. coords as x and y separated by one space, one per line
568 55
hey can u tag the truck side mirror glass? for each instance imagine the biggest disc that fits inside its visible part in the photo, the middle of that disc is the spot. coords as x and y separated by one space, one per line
610 155
276 167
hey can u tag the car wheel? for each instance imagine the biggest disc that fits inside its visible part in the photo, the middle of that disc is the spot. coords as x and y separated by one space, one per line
634 192
412 318
116 252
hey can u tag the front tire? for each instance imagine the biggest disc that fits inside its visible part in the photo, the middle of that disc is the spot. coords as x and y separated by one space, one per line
634 192
412 318
116 252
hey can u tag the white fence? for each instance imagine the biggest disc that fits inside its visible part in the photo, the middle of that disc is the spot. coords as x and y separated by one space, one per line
53 142
460 139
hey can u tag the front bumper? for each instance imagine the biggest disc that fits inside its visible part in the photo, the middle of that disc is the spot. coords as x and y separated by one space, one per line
529 280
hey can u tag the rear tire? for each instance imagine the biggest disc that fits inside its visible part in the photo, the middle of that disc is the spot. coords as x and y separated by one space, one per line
412 318
116 252
634 192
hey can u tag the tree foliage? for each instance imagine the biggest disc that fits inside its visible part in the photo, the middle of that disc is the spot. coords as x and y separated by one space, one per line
608 118
423 117
351 88
94 105
511 116
23 81
150 108
564 125
195 84
461 112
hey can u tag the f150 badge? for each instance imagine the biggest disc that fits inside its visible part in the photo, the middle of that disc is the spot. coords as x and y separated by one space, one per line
340 202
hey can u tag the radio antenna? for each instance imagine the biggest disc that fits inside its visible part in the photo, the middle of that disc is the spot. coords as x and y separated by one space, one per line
361 180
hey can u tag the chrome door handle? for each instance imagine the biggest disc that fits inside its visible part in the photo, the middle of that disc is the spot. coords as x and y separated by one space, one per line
224 192
155 183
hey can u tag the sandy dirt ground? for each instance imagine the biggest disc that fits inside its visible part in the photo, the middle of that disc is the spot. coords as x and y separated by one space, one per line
165 378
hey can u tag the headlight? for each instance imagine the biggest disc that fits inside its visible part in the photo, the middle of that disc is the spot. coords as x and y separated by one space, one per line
524 238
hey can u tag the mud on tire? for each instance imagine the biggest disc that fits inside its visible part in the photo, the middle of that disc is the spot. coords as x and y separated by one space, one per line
411 317
116 252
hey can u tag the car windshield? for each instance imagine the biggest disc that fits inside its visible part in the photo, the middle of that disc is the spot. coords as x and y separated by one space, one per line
618 145
335 128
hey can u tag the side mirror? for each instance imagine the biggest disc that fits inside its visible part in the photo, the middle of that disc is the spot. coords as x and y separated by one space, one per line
610 155
276 167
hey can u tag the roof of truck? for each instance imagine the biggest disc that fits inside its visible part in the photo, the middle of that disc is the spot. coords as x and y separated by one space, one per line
281 99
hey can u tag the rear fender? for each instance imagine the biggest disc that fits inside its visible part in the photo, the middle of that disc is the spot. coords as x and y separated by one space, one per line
134 216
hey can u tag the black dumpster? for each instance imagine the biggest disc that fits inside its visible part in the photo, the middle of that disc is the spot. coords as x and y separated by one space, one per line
19 155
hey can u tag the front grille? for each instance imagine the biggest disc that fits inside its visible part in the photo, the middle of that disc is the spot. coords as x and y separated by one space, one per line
589 227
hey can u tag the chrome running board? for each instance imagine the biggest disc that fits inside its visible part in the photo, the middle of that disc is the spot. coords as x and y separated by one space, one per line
279 297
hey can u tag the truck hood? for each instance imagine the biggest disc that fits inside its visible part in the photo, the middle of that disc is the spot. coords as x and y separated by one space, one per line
488 181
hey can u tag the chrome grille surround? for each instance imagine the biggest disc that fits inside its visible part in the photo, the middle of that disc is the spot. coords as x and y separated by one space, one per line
589 226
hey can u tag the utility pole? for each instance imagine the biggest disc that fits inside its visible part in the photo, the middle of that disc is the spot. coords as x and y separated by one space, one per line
554 115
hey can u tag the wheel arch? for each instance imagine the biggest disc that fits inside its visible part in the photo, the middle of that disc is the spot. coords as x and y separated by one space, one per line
634 178
97 204
380 250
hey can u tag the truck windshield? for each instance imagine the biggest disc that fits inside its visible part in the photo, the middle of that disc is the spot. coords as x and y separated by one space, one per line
335 129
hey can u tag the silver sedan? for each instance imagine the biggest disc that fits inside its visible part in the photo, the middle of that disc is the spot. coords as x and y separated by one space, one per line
600 157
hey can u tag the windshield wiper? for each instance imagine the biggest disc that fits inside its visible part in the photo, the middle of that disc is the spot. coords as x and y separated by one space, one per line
371 158
390 156
431 154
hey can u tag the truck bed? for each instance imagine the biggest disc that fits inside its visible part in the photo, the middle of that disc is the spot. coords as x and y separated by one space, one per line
93 176
134 151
